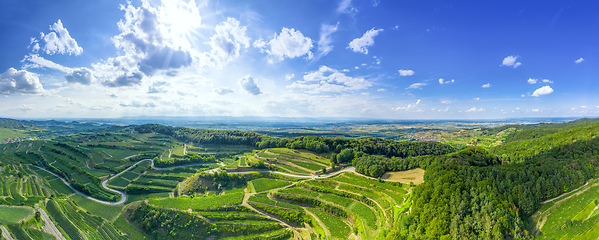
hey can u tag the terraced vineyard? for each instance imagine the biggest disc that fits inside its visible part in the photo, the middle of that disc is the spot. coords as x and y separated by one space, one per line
343 206
573 216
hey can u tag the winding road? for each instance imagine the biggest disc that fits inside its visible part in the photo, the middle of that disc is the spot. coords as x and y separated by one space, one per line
124 195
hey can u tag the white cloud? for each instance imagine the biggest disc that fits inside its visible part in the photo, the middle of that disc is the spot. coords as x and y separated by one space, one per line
488 85
367 40
125 80
19 81
579 60
228 41
510 61
447 101
223 91
57 41
35 61
151 40
345 7
324 43
290 43
137 104
289 77
416 86
80 75
547 81
409 106
405 72
249 85
327 79
474 109
532 80
545 90
442 81
476 99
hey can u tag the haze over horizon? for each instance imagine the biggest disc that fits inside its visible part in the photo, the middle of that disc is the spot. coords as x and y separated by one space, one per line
371 59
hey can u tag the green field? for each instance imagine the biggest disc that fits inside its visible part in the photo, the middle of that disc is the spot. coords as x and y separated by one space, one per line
13 215
263 184
198 203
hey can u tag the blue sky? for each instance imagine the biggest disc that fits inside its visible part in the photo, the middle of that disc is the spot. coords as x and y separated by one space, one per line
344 58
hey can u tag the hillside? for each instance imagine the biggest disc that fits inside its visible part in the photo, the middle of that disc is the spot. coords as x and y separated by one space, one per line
198 183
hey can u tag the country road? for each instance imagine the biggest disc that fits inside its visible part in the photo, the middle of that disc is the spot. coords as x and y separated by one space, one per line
104 183
124 195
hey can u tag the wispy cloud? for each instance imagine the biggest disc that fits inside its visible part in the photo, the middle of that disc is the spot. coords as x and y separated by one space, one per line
488 85
416 86
579 60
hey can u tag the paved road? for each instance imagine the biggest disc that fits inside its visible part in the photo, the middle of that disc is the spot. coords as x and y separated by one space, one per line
5 233
49 226
124 195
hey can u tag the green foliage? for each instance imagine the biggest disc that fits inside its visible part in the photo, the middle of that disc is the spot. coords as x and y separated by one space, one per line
12 215
297 217
168 224
263 184
199 202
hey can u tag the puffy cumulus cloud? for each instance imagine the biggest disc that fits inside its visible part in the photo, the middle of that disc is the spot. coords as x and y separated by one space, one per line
474 109
416 86
443 81
228 41
327 79
223 91
532 80
405 72
324 43
19 81
545 90
151 39
290 43
488 85
249 84
163 58
125 80
57 41
579 60
367 40
80 75
137 104
510 61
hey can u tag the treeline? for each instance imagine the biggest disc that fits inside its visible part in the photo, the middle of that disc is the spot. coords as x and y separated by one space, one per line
189 159
469 195
370 146
376 165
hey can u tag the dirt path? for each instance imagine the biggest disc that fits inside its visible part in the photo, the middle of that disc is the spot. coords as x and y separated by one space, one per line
543 216
49 226
6 233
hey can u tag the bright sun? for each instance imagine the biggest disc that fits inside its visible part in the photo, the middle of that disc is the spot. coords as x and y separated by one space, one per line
182 18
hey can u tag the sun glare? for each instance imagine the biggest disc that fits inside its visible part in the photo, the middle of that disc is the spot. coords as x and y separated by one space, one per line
182 18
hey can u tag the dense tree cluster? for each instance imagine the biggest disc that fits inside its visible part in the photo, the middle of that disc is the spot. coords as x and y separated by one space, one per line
470 195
